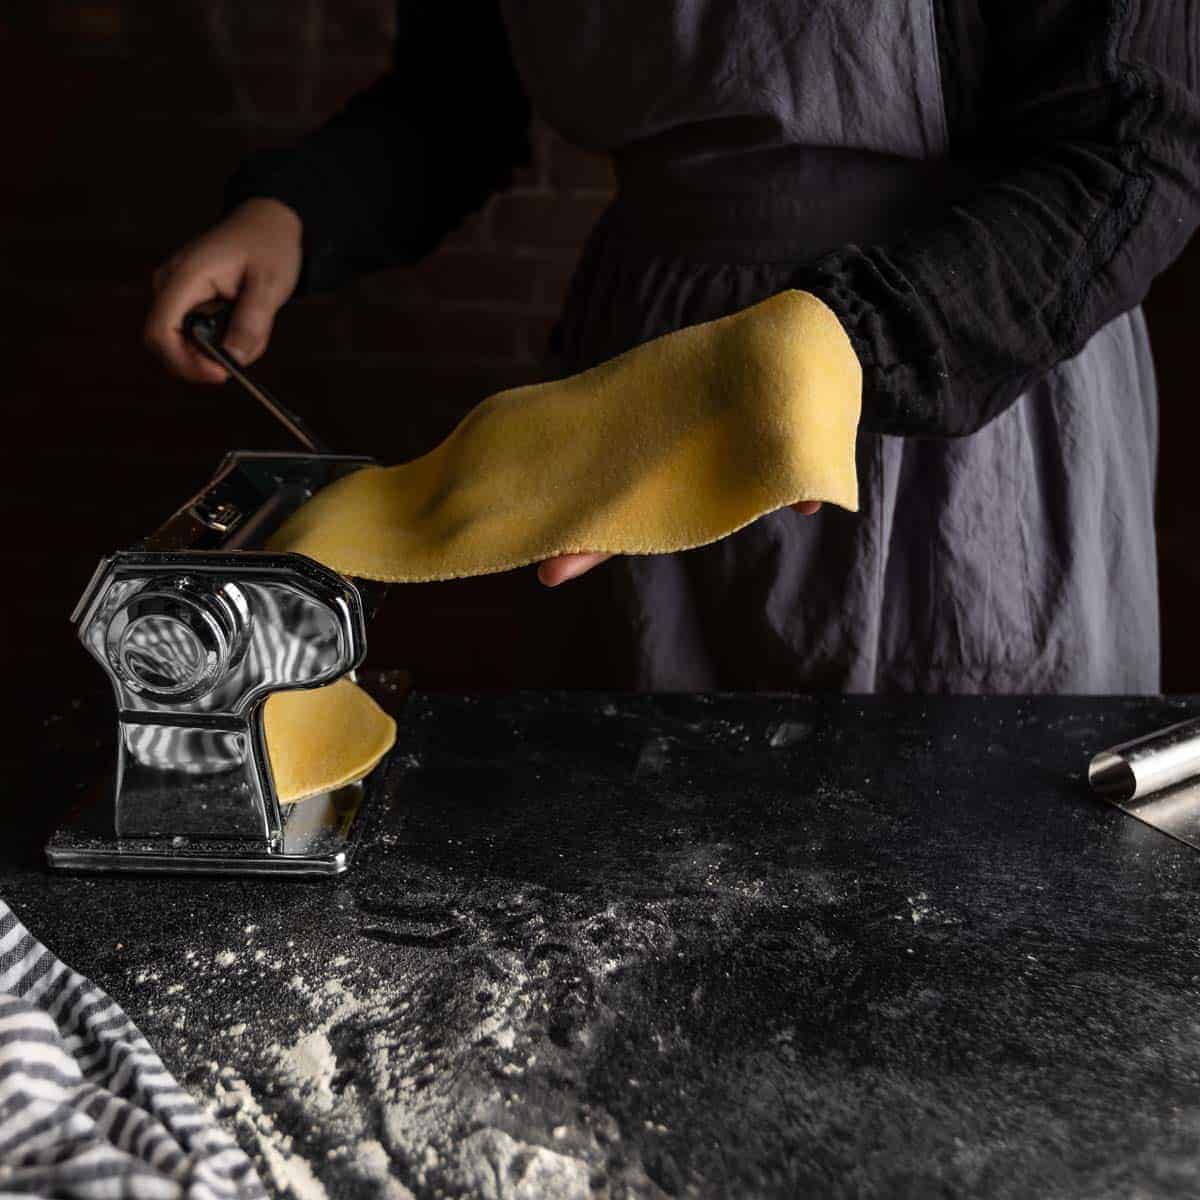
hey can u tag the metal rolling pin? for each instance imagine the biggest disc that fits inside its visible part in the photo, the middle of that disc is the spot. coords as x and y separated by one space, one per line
1156 779
1147 764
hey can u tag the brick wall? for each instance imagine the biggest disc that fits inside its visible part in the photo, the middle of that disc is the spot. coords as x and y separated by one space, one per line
129 116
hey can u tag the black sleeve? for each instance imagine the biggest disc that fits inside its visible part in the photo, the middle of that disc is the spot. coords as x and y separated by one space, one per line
405 161
1091 120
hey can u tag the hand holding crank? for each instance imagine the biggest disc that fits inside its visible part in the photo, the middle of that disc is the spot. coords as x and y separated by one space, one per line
253 258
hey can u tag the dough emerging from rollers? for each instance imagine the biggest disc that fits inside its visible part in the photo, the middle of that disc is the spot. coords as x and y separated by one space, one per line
324 738
674 444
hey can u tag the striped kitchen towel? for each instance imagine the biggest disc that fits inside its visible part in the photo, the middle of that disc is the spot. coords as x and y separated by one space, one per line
87 1109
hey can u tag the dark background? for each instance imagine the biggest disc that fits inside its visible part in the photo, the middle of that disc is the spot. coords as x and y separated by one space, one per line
123 120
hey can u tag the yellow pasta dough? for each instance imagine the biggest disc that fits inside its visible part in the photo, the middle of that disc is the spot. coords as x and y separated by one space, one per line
322 739
671 445
674 444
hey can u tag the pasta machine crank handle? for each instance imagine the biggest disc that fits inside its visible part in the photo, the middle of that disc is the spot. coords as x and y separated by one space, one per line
205 326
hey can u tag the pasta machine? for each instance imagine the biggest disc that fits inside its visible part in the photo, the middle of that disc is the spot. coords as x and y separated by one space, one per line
195 627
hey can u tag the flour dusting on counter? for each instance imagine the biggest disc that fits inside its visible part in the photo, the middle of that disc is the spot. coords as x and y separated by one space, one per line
391 1083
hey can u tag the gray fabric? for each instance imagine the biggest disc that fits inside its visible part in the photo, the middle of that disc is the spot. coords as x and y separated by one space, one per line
1019 559
857 74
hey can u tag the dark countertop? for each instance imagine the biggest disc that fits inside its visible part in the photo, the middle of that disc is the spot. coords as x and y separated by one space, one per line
701 946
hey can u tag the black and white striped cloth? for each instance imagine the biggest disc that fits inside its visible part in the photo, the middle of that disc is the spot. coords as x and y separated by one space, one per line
87 1109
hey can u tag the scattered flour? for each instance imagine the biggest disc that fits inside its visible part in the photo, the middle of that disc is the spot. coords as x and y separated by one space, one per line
373 1162
923 911
310 1062
498 1167
367 1094
288 1173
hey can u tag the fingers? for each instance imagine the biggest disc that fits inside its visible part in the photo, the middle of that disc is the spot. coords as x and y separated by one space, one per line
178 291
568 566
261 297
253 257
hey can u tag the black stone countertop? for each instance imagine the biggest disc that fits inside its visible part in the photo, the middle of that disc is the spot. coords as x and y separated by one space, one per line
701 946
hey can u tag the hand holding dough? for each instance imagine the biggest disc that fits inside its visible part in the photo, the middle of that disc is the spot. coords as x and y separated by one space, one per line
676 443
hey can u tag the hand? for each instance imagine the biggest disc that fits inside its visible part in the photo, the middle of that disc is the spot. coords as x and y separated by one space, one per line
570 566
253 257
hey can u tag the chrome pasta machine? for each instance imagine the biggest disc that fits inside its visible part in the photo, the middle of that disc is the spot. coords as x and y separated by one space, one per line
195 627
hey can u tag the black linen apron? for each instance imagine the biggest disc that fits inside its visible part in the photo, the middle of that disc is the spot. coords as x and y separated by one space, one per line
749 137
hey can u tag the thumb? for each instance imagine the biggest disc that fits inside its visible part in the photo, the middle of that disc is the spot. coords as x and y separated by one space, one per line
259 299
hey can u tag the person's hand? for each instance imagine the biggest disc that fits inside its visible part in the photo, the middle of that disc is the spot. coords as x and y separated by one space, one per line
253 257
570 566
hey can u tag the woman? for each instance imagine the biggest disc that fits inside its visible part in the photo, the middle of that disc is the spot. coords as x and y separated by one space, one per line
981 190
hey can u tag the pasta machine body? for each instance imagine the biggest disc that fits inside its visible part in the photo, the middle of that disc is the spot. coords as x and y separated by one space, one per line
195 627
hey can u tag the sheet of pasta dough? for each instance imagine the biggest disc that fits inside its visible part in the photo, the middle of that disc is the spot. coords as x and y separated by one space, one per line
324 738
674 444
671 445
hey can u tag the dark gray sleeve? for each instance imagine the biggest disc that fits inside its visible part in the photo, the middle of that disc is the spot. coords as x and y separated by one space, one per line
1090 122
404 162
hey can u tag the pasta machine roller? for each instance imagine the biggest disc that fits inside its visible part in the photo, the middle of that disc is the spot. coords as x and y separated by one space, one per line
195 627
